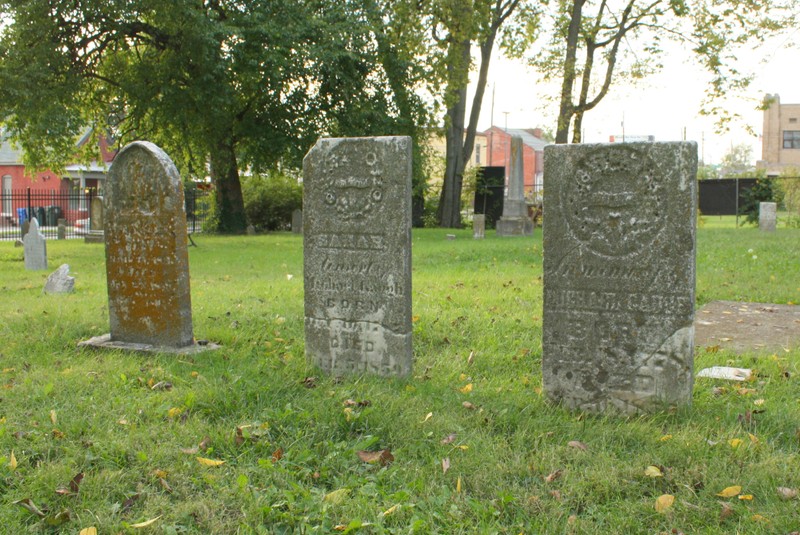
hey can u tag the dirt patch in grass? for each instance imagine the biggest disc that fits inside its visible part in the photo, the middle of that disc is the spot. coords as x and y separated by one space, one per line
748 327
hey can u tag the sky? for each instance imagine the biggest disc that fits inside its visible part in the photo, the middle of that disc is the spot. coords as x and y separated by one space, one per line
662 105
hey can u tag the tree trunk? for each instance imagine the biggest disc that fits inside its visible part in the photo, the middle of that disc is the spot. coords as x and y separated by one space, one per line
230 214
450 199
566 106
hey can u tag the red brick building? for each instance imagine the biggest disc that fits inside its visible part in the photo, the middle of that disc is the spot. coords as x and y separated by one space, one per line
498 143
15 180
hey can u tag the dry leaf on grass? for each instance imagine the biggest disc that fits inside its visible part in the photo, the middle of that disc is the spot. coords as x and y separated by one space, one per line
88 531
577 445
664 502
28 505
552 476
726 510
786 493
468 405
210 462
145 523
336 497
445 465
383 457
729 492
449 438
653 471
466 389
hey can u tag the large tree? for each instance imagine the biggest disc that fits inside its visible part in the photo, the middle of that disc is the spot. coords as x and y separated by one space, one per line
221 84
459 24
593 43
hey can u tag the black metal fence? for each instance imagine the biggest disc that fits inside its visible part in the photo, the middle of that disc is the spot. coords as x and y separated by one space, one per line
71 209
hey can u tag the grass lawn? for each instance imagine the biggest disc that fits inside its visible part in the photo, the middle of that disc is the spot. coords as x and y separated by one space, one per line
249 439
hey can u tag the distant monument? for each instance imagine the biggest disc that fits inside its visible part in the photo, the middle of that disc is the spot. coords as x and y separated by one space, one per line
619 275
767 216
147 261
357 255
515 220
35 247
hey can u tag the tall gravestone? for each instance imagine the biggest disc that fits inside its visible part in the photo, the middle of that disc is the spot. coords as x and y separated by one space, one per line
619 275
767 216
515 220
357 255
35 247
147 261
96 214
478 226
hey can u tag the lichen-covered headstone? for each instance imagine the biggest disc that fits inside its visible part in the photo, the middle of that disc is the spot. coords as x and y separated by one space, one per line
357 255
767 216
62 229
35 247
619 275
147 261
59 281
478 226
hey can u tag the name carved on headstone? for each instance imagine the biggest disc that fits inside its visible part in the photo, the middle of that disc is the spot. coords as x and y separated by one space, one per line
619 275
357 255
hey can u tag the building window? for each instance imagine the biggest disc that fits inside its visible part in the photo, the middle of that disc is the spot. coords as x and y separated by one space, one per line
477 153
792 119
791 139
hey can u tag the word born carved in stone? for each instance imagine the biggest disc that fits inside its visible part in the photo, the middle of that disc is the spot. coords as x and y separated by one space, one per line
357 255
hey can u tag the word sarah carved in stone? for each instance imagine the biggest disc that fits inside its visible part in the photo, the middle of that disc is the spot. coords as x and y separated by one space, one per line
619 275
357 255
147 261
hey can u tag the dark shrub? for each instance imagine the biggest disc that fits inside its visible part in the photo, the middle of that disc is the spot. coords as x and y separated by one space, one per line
269 200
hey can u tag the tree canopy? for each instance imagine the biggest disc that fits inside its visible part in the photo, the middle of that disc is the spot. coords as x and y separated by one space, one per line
222 85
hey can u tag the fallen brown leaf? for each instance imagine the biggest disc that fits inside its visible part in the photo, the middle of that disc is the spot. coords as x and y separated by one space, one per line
383 457
445 465
726 510
577 445
162 385
205 443
449 438
468 405
164 484
28 505
128 504
552 476
277 455
786 493
310 382
239 438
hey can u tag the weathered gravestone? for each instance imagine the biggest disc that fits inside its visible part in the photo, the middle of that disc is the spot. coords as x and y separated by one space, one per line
297 221
515 220
96 214
24 229
767 216
62 229
619 275
35 247
357 255
147 261
478 226
59 281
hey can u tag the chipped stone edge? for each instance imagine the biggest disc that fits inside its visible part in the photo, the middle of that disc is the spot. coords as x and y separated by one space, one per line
105 342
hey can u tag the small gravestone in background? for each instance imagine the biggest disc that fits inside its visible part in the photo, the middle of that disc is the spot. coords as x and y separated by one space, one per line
515 220
59 281
35 248
297 221
147 261
96 214
478 226
767 216
619 275
251 230
26 226
357 255
62 229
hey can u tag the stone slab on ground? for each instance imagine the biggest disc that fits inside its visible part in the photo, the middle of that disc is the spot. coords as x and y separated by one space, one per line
105 342
748 327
